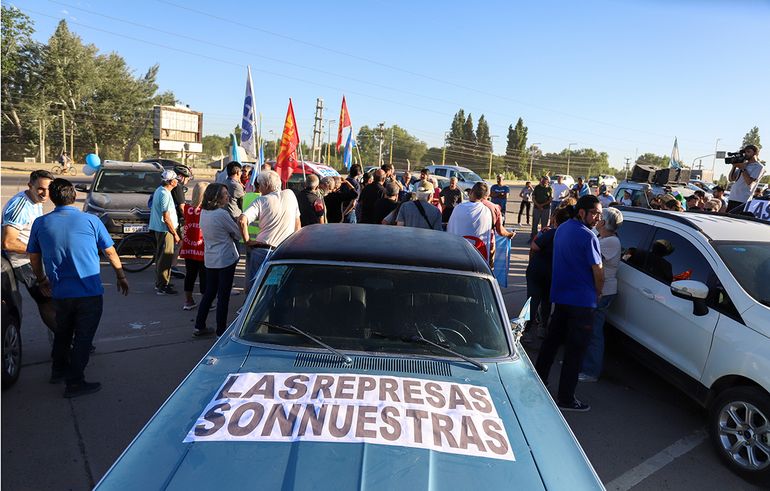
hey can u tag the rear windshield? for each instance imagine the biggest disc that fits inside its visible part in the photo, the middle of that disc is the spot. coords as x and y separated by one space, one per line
127 181
377 310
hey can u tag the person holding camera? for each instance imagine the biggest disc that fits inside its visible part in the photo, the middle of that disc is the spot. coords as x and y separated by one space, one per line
745 175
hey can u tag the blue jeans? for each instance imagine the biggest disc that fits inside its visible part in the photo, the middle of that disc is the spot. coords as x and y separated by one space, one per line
76 322
350 217
594 357
255 256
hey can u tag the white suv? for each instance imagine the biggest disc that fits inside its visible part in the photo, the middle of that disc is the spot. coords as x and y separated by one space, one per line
694 297
466 178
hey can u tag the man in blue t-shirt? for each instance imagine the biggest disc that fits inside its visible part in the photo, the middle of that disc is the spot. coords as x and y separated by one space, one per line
576 284
64 254
163 222
581 188
499 194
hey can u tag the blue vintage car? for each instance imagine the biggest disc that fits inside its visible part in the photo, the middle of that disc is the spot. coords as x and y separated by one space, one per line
362 360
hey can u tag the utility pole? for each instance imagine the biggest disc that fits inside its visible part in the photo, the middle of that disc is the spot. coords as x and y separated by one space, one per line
315 152
329 139
532 157
714 158
41 125
390 155
443 152
72 140
627 166
569 152
63 133
381 132
491 153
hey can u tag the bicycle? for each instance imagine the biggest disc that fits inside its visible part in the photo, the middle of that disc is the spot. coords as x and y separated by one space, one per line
137 251
61 170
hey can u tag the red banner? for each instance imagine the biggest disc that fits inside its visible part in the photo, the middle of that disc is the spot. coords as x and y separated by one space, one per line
286 163
344 122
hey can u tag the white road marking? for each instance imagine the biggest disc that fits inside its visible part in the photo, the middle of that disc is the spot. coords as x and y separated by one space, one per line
634 476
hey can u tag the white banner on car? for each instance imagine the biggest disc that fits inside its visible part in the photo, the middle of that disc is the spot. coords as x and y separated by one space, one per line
759 208
352 408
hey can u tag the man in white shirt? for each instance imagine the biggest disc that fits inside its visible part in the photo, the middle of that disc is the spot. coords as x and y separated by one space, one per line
745 176
560 191
278 215
473 219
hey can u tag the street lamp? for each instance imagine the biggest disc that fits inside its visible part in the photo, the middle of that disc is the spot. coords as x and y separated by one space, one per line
443 152
569 150
491 152
714 160
329 138
275 145
532 157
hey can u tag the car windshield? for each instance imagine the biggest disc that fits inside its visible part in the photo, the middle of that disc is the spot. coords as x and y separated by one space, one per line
749 262
127 181
470 176
377 310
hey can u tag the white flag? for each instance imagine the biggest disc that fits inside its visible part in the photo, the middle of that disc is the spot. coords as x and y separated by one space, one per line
249 123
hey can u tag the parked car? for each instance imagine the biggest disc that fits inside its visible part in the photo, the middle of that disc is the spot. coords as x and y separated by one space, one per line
119 195
565 179
466 178
11 320
362 360
166 163
703 185
694 300
608 180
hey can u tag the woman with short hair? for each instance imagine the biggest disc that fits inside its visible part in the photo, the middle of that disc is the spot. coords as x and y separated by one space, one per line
609 245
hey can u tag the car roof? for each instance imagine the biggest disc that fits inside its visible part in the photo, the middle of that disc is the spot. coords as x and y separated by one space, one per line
713 226
450 166
117 164
381 244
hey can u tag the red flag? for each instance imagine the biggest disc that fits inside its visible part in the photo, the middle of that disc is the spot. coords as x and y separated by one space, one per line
286 162
344 122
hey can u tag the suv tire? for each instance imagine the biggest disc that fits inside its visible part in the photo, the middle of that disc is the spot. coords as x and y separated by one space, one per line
739 426
11 349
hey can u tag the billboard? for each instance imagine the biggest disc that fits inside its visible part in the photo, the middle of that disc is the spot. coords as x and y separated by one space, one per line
177 129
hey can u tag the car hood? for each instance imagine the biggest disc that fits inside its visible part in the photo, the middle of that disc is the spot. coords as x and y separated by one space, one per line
158 458
119 201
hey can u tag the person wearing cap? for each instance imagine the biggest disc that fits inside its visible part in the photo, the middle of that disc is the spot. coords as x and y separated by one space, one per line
605 198
235 188
499 194
164 223
626 200
183 176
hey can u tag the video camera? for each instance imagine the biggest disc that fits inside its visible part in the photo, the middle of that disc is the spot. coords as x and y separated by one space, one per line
735 157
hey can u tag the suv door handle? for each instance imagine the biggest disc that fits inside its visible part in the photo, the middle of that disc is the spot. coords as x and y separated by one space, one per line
648 293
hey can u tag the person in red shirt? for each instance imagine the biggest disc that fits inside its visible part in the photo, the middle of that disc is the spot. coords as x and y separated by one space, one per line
497 226
192 247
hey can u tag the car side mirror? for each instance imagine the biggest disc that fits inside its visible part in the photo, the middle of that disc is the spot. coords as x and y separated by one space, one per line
694 291
518 324
83 188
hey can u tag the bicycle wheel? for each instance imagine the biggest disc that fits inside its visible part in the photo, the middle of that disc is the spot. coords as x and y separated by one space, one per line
56 170
137 252
73 171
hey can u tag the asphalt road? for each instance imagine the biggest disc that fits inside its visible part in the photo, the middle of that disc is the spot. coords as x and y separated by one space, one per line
641 433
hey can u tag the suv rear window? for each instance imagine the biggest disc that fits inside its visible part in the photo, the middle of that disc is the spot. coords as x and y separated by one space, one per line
127 181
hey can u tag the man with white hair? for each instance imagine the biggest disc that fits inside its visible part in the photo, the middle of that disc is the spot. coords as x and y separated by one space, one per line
312 208
419 213
277 213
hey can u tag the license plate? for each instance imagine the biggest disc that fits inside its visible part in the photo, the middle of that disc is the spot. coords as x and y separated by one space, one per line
136 227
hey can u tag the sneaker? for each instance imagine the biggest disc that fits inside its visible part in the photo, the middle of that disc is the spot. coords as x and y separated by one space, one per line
576 406
587 378
206 331
175 273
81 389
189 306
166 290
57 376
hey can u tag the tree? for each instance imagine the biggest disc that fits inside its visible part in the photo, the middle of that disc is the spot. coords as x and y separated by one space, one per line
432 156
215 145
468 135
752 138
516 155
405 146
484 141
20 58
652 159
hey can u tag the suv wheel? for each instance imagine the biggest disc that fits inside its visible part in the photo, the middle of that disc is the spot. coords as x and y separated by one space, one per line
739 424
11 350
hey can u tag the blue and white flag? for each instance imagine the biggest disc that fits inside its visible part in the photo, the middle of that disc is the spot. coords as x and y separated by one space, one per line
347 155
234 157
502 260
675 162
258 167
249 136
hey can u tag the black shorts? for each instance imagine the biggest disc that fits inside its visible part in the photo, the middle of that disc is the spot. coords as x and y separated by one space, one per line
25 276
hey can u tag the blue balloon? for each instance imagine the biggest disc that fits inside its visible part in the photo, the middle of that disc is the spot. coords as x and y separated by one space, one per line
93 160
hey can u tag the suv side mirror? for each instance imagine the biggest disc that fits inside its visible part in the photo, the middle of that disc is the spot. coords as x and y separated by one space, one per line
694 291
83 188
519 323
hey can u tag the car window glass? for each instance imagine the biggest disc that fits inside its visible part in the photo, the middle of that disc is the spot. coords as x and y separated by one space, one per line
632 237
127 181
378 310
440 172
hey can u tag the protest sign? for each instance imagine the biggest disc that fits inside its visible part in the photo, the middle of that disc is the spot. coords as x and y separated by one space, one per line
759 208
352 408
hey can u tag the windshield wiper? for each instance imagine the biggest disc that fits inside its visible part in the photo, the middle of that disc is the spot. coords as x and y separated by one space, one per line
296 330
419 338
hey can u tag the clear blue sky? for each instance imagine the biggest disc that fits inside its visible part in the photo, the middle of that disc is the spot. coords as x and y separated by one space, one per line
618 76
